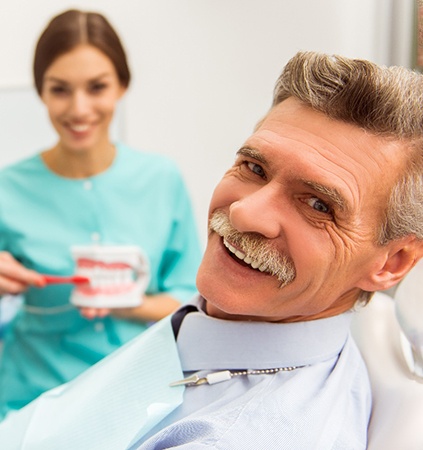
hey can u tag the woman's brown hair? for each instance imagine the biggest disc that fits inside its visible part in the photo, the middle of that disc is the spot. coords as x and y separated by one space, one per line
72 28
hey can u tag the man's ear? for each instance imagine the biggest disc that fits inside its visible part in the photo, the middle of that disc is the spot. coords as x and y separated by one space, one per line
400 257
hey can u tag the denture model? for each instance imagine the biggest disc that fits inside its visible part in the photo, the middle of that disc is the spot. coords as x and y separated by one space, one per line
118 276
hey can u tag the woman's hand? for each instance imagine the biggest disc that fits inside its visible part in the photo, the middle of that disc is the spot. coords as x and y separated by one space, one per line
152 309
16 278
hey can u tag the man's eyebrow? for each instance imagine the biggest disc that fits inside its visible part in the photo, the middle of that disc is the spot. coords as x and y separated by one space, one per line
332 193
251 153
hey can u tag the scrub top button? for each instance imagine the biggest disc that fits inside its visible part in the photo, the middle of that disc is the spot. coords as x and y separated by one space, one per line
99 326
95 237
88 185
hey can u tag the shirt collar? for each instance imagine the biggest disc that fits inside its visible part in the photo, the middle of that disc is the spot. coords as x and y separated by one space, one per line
205 342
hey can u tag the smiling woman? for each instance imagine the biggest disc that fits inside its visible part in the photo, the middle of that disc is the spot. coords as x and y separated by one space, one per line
85 190
80 90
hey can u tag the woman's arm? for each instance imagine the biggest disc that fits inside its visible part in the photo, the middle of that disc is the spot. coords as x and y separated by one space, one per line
152 309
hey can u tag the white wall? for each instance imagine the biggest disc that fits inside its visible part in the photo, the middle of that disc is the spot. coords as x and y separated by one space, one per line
203 70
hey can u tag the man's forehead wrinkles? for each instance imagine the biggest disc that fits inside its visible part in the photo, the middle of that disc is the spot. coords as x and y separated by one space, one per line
301 141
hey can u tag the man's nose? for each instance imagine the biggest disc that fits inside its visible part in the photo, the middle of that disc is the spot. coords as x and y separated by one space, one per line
257 212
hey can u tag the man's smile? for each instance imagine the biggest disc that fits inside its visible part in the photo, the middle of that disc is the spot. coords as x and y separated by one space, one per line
252 250
242 257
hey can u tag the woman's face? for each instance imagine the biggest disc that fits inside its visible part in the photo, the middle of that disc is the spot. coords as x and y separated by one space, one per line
80 90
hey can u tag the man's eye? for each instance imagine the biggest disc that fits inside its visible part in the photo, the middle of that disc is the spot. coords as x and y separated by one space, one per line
257 169
319 205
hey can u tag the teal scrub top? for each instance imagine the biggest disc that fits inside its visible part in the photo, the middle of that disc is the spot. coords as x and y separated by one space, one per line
140 200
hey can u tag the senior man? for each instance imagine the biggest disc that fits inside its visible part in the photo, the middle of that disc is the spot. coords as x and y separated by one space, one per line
322 207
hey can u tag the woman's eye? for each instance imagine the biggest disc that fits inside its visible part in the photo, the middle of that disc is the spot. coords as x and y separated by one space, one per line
97 87
58 90
257 169
319 205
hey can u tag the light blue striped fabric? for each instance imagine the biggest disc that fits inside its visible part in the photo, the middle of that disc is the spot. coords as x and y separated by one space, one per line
108 404
323 406
125 401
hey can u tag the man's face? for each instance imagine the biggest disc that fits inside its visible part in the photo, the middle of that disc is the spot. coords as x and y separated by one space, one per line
310 192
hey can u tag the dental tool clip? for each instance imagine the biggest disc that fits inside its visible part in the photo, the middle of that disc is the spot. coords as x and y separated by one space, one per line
225 375
211 378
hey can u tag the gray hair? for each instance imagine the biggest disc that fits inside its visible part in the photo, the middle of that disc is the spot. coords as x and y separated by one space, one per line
386 101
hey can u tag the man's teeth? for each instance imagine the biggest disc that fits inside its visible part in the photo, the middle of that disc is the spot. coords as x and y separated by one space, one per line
242 256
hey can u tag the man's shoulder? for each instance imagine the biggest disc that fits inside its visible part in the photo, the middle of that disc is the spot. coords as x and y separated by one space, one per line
284 410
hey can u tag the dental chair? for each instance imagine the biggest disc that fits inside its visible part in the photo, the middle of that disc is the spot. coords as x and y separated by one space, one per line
397 414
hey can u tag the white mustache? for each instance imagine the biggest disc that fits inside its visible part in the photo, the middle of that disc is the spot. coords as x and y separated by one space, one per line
256 247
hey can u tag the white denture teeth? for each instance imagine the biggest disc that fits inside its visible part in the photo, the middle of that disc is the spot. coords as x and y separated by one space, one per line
103 277
240 255
243 257
263 268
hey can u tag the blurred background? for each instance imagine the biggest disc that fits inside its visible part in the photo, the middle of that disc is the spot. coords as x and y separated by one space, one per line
203 70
